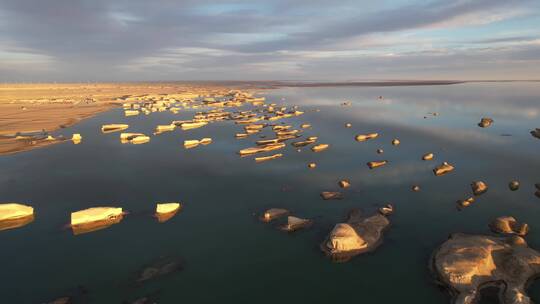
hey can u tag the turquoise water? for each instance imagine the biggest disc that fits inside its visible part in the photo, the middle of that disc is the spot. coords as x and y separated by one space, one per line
231 257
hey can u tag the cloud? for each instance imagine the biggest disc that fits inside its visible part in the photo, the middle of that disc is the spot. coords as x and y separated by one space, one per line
259 39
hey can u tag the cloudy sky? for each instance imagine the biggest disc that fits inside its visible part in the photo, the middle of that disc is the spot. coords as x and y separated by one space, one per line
117 40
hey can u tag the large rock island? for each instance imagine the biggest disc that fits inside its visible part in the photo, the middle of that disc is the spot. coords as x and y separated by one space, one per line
357 235
467 263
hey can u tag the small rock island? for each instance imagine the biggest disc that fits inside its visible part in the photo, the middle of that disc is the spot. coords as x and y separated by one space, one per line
357 235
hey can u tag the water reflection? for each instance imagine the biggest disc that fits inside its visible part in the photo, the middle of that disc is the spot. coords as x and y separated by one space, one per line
219 237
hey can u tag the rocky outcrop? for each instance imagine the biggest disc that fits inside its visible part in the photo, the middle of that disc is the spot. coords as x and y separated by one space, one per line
443 169
344 183
485 122
465 264
357 235
364 137
295 223
15 215
465 203
376 163
479 187
508 225
513 185
427 156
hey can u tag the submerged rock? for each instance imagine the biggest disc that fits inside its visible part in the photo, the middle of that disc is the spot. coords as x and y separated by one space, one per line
295 223
356 236
508 225
485 122
330 195
467 263
73 295
536 133
428 156
159 268
377 163
143 300
479 187
62 300
513 185
273 213
443 169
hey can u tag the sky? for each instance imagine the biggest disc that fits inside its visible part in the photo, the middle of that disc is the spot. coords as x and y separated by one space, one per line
341 40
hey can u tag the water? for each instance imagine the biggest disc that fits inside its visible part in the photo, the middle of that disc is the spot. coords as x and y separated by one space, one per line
229 255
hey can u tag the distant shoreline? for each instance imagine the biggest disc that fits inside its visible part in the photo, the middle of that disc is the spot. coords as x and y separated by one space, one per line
369 83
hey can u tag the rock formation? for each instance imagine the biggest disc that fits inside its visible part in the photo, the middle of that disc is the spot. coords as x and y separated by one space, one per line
295 223
443 169
479 187
377 163
465 203
508 225
485 122
467 263
428 156
273 213
513 185
356 236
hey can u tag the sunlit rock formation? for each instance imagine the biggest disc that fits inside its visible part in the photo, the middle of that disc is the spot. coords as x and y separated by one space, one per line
357 235
465 264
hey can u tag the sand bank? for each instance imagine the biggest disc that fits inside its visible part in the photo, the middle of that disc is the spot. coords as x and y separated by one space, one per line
32 111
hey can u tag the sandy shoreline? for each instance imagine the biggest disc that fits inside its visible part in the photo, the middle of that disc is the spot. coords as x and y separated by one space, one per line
44 108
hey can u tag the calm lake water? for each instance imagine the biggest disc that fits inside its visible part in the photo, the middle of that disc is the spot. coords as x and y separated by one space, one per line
231 257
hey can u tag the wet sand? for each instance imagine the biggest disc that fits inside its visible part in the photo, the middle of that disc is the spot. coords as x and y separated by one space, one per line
44 108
